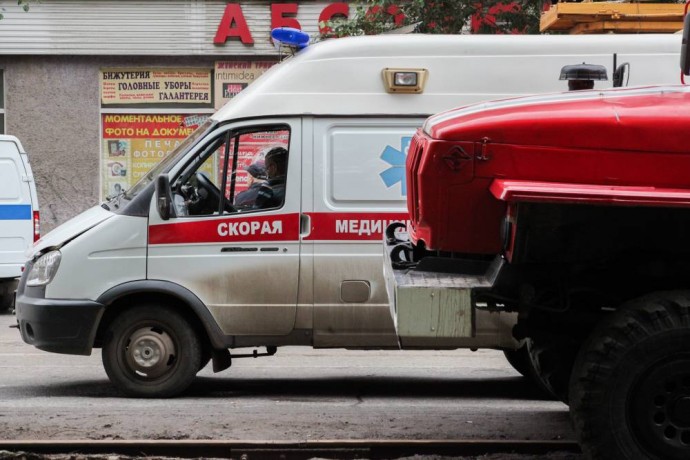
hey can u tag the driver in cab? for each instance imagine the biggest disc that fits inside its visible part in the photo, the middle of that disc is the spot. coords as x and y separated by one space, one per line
271 194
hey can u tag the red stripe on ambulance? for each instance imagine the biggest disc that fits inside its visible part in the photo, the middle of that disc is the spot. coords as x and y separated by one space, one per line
283 227
325 226
351 226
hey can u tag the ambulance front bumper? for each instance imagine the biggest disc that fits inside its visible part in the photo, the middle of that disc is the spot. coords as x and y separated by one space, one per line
57 325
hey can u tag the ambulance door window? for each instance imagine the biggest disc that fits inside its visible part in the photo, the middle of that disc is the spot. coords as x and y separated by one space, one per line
257 170
197 190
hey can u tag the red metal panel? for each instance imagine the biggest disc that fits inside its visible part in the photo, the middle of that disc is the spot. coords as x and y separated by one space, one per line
623 147
555 192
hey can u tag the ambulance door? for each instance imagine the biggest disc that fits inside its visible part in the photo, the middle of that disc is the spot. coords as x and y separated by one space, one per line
359 187
239 254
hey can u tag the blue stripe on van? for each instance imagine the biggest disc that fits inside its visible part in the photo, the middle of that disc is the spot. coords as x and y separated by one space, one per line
15 212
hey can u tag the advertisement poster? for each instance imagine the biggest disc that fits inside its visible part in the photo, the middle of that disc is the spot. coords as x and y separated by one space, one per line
231 77
135 143
154 86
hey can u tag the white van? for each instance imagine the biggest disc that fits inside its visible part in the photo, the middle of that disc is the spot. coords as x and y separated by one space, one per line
175 272
19 216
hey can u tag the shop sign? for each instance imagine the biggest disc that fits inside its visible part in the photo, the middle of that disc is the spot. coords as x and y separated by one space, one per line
231 77
153 86
233 24
135 143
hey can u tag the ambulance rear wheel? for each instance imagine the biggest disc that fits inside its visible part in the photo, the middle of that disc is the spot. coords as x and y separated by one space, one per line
630 389
151 352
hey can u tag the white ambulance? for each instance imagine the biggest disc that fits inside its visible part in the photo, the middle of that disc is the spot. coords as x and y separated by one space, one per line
175 272
19 215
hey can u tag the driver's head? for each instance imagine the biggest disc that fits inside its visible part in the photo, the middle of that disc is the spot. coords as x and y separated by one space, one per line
256 172
276 162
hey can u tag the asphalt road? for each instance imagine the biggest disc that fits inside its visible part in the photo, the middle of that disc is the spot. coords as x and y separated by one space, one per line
299 394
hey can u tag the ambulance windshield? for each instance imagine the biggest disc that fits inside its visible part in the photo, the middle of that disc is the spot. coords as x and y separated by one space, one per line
166 162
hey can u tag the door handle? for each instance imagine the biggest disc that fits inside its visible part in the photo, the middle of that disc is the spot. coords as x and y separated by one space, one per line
238 249
304 225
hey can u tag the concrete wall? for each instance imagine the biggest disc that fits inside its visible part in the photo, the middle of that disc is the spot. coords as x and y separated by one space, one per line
52 105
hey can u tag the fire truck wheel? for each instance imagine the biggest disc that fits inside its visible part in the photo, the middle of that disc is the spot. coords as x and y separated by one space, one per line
552 359
630 388
521 361
151 352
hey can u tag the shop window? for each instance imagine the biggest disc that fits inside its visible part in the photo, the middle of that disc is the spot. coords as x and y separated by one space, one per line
145 114
133 143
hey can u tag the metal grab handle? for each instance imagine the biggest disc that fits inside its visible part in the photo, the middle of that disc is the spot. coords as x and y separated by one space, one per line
390 232
304 225
397 253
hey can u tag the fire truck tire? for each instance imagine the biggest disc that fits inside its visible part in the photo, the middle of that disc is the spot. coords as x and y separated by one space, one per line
630 388
151 352
552 360
521 361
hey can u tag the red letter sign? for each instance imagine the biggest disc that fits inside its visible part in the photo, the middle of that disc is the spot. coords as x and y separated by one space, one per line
233 15
330 11
278 10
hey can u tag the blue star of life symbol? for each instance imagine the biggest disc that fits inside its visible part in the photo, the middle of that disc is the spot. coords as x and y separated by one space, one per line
396 158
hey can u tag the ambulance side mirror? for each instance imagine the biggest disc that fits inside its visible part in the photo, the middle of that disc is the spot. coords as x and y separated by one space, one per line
163 196
684 55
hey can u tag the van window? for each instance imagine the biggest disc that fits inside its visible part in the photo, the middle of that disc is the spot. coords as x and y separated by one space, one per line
249 167
171 159
256 180
197 189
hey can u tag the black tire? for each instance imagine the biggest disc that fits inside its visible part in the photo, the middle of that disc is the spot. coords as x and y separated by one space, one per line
7 288
6 302
151 352
553 358
521 361
630 388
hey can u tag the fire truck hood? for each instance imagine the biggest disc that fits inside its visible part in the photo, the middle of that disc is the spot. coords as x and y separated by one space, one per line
637 119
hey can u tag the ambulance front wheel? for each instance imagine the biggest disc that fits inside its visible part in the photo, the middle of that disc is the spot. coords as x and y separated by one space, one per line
151 352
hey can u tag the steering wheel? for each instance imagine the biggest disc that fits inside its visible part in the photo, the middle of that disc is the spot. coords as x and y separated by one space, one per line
213 191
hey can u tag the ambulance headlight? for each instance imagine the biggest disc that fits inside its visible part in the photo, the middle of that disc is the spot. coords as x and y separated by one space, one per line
44 269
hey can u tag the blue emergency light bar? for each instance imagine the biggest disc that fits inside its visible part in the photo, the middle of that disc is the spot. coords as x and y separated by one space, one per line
290 37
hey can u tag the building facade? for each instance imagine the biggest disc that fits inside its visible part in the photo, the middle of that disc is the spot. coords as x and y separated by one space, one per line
100 90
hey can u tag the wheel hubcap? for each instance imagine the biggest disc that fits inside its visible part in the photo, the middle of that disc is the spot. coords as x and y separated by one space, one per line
660 408
150 352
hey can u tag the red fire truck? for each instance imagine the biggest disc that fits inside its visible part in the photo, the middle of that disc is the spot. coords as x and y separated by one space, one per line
566 220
